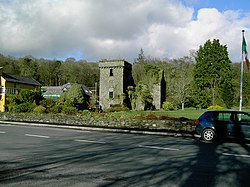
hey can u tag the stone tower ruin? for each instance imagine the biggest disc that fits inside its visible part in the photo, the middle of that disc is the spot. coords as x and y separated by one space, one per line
115 77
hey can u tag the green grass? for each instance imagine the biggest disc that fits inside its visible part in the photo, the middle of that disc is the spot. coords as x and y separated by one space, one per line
188 113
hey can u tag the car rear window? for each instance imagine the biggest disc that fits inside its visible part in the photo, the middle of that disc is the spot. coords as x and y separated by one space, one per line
208 116
225 116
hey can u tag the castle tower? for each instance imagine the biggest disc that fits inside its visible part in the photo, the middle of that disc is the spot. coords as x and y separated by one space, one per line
115 77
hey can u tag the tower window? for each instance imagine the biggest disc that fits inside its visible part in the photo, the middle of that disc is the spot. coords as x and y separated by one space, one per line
111 72
111 94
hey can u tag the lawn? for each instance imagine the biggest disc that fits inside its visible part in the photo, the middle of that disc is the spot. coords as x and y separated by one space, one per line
188 113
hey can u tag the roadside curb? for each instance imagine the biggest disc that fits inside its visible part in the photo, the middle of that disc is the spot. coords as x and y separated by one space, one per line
146 132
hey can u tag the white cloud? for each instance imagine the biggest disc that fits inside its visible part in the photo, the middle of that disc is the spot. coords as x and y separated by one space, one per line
95 29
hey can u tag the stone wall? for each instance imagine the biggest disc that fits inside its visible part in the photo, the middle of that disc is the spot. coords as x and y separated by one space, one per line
90 121
157 96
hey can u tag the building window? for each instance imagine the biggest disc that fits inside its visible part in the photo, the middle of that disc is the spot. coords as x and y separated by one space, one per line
2 90
111 94
11 91
111 73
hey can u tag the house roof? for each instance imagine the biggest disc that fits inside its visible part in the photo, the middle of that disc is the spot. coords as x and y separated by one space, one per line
52 91
87 90
20 79
57 91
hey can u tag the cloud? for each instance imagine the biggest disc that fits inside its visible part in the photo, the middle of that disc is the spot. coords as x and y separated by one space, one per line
94 29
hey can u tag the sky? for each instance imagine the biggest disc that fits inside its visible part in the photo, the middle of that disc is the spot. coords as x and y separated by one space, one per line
117 29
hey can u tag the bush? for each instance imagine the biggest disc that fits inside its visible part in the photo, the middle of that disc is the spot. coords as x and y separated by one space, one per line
56 109
69 110
12 100
75 96
24 107
117 108
168 106
29 96
39 109
9 107
215 107
48 104
85 112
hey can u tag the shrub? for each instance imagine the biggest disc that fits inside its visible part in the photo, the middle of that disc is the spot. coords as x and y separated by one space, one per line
117 108
29 96
85 112
76 96
69 110
48 104
12 100
168 106
39 109
56 109
215 107
24 107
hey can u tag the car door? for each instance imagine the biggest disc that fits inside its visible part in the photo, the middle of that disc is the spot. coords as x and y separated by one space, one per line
244 125
221 124
232 123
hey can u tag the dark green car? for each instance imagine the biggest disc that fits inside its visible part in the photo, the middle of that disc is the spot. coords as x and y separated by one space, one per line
221 124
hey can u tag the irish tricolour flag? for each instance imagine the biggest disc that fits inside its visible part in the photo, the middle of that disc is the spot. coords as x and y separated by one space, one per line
244 51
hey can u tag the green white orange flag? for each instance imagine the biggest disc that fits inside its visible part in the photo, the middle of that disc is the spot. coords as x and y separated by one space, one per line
244 51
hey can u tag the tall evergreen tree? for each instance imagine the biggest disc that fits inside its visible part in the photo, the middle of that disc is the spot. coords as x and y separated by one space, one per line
213 75
138 67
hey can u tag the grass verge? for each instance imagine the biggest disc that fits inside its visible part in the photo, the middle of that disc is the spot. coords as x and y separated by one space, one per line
189 114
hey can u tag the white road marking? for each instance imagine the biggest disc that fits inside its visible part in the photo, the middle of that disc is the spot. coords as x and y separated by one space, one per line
156 147
1 132
236 155
90 141
5 125
38 136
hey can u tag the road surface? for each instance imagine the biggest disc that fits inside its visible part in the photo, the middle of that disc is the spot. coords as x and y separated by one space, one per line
42 156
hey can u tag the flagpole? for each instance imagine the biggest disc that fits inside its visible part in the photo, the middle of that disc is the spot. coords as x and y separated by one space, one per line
241 77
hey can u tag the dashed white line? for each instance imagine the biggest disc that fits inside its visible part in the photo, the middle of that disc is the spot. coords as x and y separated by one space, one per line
2 132
156 147
36 135
5 125
236 155
90 141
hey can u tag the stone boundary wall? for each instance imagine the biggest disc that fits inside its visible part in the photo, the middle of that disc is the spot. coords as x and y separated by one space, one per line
115 123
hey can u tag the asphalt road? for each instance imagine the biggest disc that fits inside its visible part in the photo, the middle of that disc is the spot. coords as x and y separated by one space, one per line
42 156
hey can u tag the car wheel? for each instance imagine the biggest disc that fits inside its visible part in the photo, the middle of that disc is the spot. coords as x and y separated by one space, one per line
208 134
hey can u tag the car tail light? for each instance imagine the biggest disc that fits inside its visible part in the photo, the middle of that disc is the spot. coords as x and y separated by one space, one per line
197 122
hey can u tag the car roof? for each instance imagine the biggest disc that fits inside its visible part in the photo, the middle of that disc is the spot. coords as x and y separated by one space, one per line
227 111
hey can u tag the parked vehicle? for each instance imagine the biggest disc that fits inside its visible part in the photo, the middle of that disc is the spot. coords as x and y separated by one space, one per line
221 124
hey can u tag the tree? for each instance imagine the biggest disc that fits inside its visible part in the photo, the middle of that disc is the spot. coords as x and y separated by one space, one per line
10 64
236 84
213 75
49 72
79 72
140 97
75 97
138 67
132 96
29 67
180 90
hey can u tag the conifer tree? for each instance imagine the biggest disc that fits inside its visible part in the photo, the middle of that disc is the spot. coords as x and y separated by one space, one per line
213 76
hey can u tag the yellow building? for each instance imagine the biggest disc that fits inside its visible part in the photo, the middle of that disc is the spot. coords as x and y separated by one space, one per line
11 84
